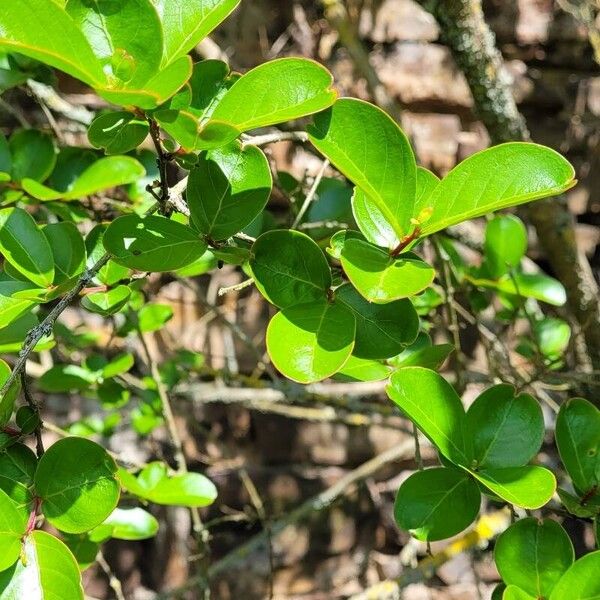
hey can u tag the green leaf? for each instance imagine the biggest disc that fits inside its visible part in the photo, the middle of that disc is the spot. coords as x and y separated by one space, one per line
126 524
110 273
152 317
578 441
76 481
118 365
289 268
553 336
187 22
43 31
5 157
25 247
209 83
361 369
103 174
47 570
274 92
496 178
533 555
17 469
382 330
12 527
227 189
310 342
512 592
505 244
66 378
12 308
83 549
155 485
369 148
12 336
125 36
379 277
152 243
117 132
528 486
507 429
431 402
7 402
437 503
429 357
33 155
107 303
584 508
68 250
581 581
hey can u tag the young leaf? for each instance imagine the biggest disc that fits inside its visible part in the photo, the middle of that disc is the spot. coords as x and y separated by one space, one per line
17 469
361 369
289 268
126 524
12 528
310 342
533 555
578 441
431 402
274 92
505 244
126 37
33 155
107 303
528 486
581 581
152 243
76 481
187 22
382 330
43 31
369 148
117 132
24 246
47 570
381 278
496 178
68 250
429 357
437 503
507 429
103 174
227 189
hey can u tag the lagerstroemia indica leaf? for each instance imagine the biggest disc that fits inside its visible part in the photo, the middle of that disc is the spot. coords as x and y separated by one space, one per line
505 244
117 132
581 581
76 481
33 155
12 527
310 342
17 469
68 250
126 524
7 402
289 268
227 189
152 243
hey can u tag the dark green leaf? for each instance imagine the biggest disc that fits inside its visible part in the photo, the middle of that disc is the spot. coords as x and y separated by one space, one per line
12 527
68 251
17 469
117 132
66 378
12 308
107 303
110 273
33 155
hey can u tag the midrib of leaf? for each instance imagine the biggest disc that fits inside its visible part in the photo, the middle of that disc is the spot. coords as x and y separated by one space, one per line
575 452
443 498
497 432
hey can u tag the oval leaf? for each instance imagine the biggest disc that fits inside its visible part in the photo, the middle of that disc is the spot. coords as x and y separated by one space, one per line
505 244
68 250
581 581
12 528
17 469
33 155
126 524
117 132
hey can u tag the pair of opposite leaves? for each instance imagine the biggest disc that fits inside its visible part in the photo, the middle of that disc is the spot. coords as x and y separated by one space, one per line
488 447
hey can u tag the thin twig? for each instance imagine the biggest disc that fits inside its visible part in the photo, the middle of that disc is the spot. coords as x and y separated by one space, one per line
36 409
235 288
113 580
273 138
311 194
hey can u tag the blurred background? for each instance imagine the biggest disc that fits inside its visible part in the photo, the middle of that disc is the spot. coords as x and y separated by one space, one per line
275 451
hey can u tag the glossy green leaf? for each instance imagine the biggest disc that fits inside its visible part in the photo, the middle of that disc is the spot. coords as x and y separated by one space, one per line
187 22
83 549
76 481
43 31
585 508
68 250
289 268
7 402
12 527
553 337
379 277
382 330
208 84
104 174
33 155
338 241
154 484
126 524
274 92
152 243
369 148
581 581
107 303
505 244
528 486
361 369
227 189
533 555
431 402
152 317
47 571
310 342
429 357
125 36
437 503
25 247
117 132
507 429
17 469
111 273
512 592
578 441
11 308
496 178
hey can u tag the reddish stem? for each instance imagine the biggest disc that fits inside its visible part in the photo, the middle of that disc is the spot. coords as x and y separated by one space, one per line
37 503
405 241
11 431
